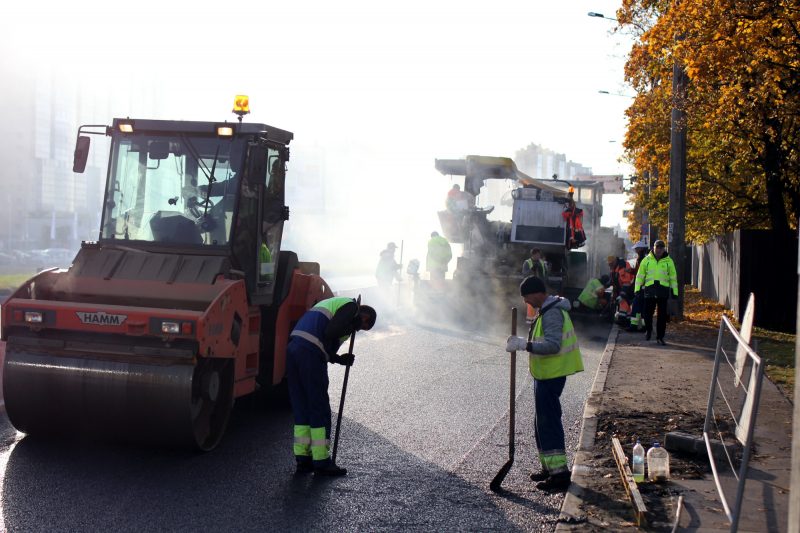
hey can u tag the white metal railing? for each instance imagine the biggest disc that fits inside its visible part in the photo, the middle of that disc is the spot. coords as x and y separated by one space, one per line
731 414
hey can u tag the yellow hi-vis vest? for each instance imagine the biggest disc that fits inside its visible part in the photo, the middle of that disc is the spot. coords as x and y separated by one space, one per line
566 362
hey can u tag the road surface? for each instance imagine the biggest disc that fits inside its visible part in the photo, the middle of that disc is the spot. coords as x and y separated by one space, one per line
425 430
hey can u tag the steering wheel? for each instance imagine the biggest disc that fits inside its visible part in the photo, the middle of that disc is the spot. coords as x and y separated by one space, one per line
198 207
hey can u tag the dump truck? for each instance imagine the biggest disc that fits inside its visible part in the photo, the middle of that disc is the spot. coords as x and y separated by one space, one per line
529 214
183 304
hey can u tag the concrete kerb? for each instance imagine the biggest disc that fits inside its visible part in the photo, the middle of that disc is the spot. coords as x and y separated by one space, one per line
570 509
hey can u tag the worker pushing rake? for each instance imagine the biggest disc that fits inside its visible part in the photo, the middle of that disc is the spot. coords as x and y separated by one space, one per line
313 344
553 352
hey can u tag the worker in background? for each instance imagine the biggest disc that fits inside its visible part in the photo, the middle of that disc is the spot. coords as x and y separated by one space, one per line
553 355
313 344
593 295
439 255
637 322
459 201
388 268
659 282
413 273
622 279
534 266
573 216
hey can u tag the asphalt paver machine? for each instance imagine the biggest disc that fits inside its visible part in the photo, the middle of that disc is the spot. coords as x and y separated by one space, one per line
184 303
528 214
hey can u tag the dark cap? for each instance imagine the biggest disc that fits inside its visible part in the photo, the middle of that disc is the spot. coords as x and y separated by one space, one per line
370 312
659 244
531 285
605 280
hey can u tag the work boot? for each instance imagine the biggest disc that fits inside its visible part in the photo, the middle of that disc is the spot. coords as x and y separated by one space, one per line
539 476
330 469
649 334
304 465
556 483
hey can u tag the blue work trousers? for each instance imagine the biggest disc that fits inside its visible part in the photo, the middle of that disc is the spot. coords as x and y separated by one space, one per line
548 428
307 377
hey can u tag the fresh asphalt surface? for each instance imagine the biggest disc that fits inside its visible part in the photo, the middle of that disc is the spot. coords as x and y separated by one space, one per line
425 429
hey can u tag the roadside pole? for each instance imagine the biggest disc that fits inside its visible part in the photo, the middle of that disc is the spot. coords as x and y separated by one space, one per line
794 485
677 180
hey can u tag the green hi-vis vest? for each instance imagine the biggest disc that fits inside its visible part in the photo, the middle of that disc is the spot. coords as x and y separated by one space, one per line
331 305
588 296
542 264
566 362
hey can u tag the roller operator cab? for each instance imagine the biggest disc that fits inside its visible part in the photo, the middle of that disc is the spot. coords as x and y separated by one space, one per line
183 304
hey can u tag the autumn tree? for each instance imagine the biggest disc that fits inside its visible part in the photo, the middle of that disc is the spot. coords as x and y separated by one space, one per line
743 62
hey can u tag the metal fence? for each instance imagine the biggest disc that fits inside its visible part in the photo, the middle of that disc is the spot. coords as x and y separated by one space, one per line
731 415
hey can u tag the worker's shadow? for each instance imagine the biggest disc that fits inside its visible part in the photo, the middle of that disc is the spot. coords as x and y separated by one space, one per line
248 483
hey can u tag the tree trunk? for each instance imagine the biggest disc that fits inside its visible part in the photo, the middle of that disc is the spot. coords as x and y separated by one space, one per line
772 164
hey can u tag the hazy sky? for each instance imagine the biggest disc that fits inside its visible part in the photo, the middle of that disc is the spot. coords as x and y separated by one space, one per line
381 88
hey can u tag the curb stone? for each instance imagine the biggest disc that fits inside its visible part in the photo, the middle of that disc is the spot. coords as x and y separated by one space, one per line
571 513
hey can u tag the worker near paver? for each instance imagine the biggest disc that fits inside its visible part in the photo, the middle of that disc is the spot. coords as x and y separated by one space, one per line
622 279
439 255
534 266
573 217
456 202
593 295
312 345
637 322
659 282
388 268
553 355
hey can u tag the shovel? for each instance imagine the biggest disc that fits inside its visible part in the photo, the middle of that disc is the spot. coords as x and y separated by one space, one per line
344 391
494 486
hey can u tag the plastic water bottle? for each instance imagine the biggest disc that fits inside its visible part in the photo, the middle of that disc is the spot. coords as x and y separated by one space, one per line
638 462
657 463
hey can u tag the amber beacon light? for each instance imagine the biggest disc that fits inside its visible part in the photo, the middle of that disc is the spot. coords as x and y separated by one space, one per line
241 105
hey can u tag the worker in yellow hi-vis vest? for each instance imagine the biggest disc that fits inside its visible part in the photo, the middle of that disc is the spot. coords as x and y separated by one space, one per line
554 354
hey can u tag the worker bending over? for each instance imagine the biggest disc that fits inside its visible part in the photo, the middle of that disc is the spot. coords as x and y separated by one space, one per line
593 296
554 355
312 345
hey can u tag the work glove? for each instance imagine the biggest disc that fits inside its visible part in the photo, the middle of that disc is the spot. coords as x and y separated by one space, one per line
346 359
516 344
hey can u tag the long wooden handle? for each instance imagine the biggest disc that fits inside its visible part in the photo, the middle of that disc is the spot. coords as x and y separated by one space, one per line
512 388
344 392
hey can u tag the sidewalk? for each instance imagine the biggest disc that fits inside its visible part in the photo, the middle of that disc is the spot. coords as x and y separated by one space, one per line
639 385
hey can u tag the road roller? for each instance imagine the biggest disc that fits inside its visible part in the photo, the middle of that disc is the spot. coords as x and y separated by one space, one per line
183 304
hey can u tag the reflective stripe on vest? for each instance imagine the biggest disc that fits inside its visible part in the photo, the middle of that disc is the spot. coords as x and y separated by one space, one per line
312 339
330 306
311 326
566 362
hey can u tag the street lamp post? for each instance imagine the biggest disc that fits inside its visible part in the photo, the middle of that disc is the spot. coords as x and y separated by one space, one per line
600 16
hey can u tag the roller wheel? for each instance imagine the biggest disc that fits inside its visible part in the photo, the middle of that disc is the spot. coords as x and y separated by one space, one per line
212 400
